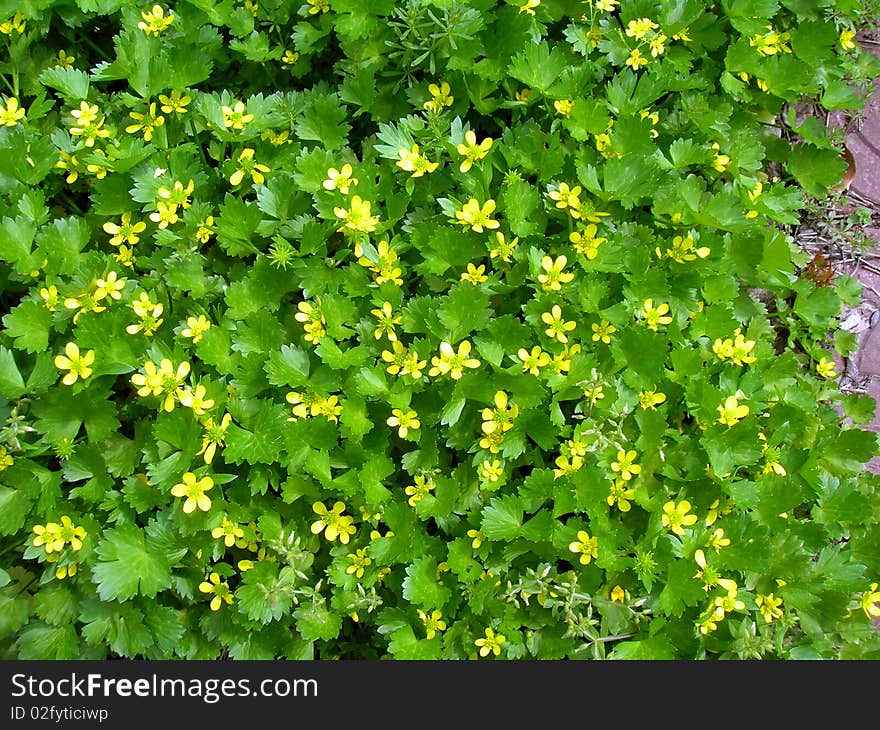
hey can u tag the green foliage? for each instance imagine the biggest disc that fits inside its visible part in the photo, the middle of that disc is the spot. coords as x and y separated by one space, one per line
386 330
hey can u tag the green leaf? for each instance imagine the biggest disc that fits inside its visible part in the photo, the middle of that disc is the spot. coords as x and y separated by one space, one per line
128 566
502 518
816 170
538 66
420 586
71 82
11 382
28 324
316 622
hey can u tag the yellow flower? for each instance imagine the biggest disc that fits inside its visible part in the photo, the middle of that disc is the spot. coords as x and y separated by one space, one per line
359 562
657 45
316 7
490 644
717 540
404 421
148 121
563 107
79 366
565 466
638 29
357 217
433 623
175 102
655 316
769 606
150 315
870 601
49 295
649 399
683 250
451 362
625 465
214 436
502 416
48 537
333 522
165 214
528 6
491 470
312 319
533 361
178 194
554 275
125 231
636 60
247 165
621 495
587 546
678 516
219 590
826 367
10 112
340 180
414 162
387 321
603 331
475 274
421 487
15 24
556 324
6 459
155 21
87 124
328 407
603 144
229 531
567 198
471 150
193 490
205 230
847 37
196 400
731 412
476 216
236 116
503 248
196 328
585 240
290 57
720 162
618 595
770 43
440 97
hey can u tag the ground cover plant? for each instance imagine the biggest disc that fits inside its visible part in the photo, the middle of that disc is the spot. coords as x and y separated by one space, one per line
428 329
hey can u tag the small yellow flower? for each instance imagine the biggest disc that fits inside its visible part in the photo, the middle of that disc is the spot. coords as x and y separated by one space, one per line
10 112
678 516
476 216
625 465
621 494
533 360
229 531
412 161
451 362
404 421
769 606
433 622
125 231
720 162
491 470
195 399
165 214
236 116
869 601
618 595
357 217
731 412
175 102
826 367
563 107
636 60
290 57
565 466
78 365
193 490
214 436
649 399
359 562
587 546
316 7
553 275
490 644
472 150
717 540
847 39
603 331
218 589
655 316
147 121
247 165
585 240
340 180
196 328
333 522
557 327
155 21
420 488
529 6
387 319
638 29
440 97
475 274
16 24
503 248
6 459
